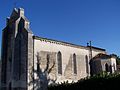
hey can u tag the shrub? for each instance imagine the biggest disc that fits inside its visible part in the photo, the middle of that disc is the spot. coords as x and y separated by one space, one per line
102 81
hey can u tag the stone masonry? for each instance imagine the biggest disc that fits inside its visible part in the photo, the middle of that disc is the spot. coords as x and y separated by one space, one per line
23 54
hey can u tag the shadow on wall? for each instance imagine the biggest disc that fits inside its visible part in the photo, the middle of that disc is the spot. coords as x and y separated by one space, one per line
43 79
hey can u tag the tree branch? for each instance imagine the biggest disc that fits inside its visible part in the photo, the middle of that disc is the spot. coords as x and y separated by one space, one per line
51 67
48 62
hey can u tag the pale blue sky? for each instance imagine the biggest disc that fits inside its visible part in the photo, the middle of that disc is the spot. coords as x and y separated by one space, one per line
75 21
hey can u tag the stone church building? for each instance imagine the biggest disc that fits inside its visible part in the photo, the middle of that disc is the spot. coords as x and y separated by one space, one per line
29 60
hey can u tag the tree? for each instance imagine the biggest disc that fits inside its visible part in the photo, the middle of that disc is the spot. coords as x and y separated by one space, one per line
117 58
43 79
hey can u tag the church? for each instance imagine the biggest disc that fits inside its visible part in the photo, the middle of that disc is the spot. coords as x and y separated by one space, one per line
30 61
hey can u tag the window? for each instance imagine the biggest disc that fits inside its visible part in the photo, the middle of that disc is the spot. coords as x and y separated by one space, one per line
110 69
106 67
74 64
114 66
87 63
59 60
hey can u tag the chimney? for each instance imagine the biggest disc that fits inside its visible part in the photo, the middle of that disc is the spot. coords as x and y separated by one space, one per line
21 12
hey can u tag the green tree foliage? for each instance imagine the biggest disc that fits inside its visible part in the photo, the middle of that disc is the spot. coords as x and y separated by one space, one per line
117 58
103 81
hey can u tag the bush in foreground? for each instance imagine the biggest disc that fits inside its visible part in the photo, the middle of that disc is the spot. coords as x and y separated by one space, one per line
102 81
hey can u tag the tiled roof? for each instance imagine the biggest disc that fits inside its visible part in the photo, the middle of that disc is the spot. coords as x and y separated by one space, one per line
102 56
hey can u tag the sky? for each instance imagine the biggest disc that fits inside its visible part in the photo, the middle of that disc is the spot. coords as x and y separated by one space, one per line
74 21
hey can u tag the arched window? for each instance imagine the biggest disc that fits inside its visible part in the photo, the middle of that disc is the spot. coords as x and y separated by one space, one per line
110 69
106 67
114 66
59 60
74 64
87 63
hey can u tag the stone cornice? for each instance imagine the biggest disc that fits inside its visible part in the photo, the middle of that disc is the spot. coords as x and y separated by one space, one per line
66 43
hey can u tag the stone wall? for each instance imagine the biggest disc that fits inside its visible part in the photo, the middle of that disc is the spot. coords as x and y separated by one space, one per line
17 52
29 60
19 56
67 51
